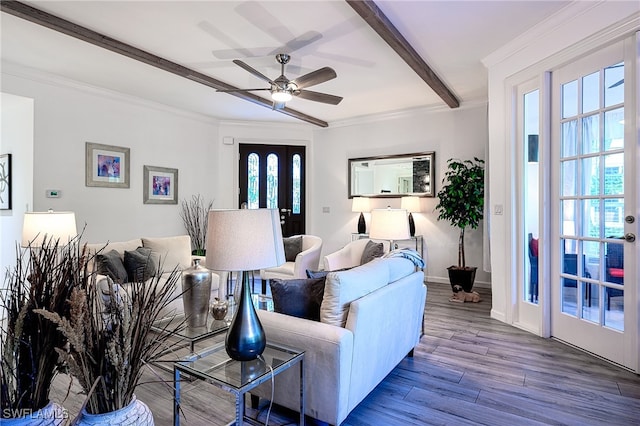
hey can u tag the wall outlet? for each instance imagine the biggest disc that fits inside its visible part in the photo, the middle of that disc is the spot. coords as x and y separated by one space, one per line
54 193
498 209
326 210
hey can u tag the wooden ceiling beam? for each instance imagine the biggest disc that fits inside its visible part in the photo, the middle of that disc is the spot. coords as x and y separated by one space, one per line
55 23
378 21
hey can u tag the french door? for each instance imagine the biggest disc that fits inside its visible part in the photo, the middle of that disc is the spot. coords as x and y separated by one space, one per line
594 290
272 176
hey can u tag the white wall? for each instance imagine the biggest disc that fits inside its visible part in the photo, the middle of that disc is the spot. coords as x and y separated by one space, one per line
67 116
16 138
460 133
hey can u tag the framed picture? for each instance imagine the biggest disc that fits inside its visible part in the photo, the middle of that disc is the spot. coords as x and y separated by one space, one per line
160 185
106 166
5 182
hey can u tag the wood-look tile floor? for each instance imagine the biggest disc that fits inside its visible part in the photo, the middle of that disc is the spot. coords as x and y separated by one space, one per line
467 370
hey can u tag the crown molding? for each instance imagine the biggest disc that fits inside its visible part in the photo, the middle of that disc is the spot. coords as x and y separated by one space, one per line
39 76
406 113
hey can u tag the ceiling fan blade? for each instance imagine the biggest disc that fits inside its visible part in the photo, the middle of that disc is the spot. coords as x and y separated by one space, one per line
616 84
319 97
253 71
239 90
315 77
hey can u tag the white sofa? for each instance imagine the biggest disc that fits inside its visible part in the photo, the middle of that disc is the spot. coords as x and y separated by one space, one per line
370 319
308 258
166 253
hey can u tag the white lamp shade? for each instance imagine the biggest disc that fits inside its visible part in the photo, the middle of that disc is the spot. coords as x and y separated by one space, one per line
244 240
360 204
389 224
55 226
410 204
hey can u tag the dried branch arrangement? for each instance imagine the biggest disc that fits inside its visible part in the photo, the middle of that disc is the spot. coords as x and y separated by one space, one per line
43 278
109 336
195 214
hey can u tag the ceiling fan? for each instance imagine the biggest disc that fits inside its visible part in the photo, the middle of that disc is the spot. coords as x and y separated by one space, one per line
282 89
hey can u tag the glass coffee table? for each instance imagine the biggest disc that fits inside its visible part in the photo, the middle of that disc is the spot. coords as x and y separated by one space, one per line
188 336
214 366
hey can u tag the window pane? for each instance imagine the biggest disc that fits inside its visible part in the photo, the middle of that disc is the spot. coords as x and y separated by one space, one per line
570 99
590 176
591 251
614 84
590 218
569 138
253 190
591 134
614 217
614 174
614 129
591 92
568 217
297 164
272 181
568 178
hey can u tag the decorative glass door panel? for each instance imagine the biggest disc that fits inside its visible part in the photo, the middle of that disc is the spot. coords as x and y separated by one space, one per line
272 176
588 308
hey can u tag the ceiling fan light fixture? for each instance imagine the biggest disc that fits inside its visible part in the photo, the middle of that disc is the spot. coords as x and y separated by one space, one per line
281 96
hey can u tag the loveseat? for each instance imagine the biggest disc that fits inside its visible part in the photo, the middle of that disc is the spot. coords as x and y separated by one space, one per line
370 319
166 253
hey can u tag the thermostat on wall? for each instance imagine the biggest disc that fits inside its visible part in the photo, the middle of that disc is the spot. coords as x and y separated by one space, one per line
54 193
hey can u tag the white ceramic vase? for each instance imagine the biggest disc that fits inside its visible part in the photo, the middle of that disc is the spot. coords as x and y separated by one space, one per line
136 413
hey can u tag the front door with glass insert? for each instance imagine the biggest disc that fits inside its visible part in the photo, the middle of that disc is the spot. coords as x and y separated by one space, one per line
272 176
592 290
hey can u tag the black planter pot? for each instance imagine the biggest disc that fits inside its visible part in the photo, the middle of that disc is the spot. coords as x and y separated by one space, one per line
463 277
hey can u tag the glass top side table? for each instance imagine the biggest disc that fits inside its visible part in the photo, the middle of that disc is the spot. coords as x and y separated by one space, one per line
214 366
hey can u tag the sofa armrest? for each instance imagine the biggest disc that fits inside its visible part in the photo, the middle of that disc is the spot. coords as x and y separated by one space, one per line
346 257
307 259
390 320
327 360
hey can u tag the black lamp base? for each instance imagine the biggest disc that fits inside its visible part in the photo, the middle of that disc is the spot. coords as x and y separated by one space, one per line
362 225
245 338
412 226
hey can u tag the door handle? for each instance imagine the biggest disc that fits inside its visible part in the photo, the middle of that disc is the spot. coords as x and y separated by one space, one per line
629 237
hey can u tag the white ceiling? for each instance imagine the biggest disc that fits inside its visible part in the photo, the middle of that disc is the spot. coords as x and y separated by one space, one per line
451 36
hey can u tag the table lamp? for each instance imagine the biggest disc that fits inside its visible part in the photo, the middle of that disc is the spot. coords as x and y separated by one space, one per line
389 224
242 241
49 226
361 204
412 205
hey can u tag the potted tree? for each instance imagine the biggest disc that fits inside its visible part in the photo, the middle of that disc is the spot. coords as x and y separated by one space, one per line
461 202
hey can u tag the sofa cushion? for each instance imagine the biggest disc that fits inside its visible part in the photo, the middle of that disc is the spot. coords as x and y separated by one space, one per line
371 251
299 298
169 252
111 265
139 264
342 288
292 247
